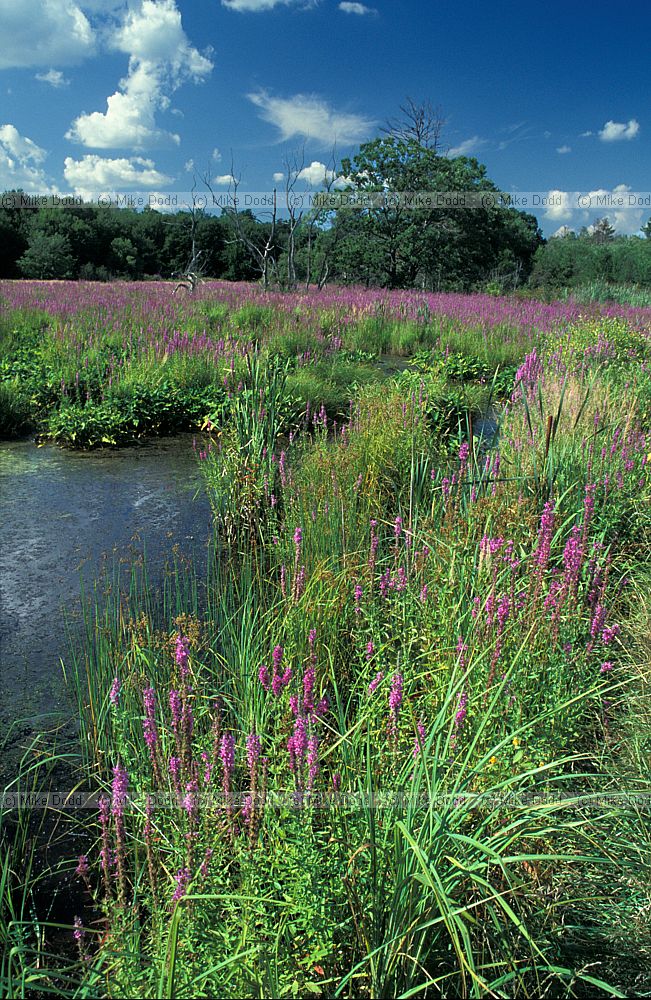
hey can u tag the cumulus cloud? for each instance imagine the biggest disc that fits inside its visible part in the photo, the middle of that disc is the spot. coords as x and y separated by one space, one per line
310 116
584 208
222 180
93 174
467 147
316 174
563 149
54 77
279 176
617 131
160 60
20 162
356 8
19 146
43 33
626 218
559 206
216 155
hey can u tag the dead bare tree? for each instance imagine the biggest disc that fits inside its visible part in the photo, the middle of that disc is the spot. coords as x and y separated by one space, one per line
315 220
261 252
294 205
419 122
191 276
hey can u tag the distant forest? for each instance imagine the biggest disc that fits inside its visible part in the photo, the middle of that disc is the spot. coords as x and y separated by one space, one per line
490 248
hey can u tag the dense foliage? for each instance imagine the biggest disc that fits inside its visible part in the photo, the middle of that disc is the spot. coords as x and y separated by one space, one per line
395 741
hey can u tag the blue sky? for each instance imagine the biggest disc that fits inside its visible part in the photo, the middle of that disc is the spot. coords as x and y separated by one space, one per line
106 95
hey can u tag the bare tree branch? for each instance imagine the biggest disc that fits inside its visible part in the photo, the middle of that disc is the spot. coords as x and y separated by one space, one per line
419 122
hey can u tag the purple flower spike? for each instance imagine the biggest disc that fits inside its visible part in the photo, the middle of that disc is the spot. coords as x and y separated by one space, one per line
114 693
373 686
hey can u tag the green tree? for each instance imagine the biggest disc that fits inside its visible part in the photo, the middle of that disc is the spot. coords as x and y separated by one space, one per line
47 257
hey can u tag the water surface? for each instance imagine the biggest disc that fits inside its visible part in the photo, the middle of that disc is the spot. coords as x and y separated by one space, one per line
60 512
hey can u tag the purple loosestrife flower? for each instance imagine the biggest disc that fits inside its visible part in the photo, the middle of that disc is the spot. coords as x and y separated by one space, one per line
370 650
358 598
175 771
545 534
253 749
82 870
322 707
461 650
423 593
78 933
227 752
119 790
297 745
119 795
375 683
183 877
397 528
176 708
309 680
609 633
182 654
207 772
419 740
114 693
460 717
606 667
395 701
598 620
263 677
190 801
572 560
105 853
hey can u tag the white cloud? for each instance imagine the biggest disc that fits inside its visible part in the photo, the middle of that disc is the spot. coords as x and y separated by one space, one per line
19 146
93 174
616 131
160 60
584 135
54 77
558 206
585 208
562 231
43 33
316 174
153 34
467 147
257 6
223 180
279 176
20 160
310 116
563 149
356 8
627 219
216 155
188 166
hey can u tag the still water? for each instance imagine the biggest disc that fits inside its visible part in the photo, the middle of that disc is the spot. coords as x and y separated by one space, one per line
61 513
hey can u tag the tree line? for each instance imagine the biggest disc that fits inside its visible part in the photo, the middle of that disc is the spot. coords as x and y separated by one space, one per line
378 242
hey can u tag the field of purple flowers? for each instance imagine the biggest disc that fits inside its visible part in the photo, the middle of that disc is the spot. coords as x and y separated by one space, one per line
396 742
